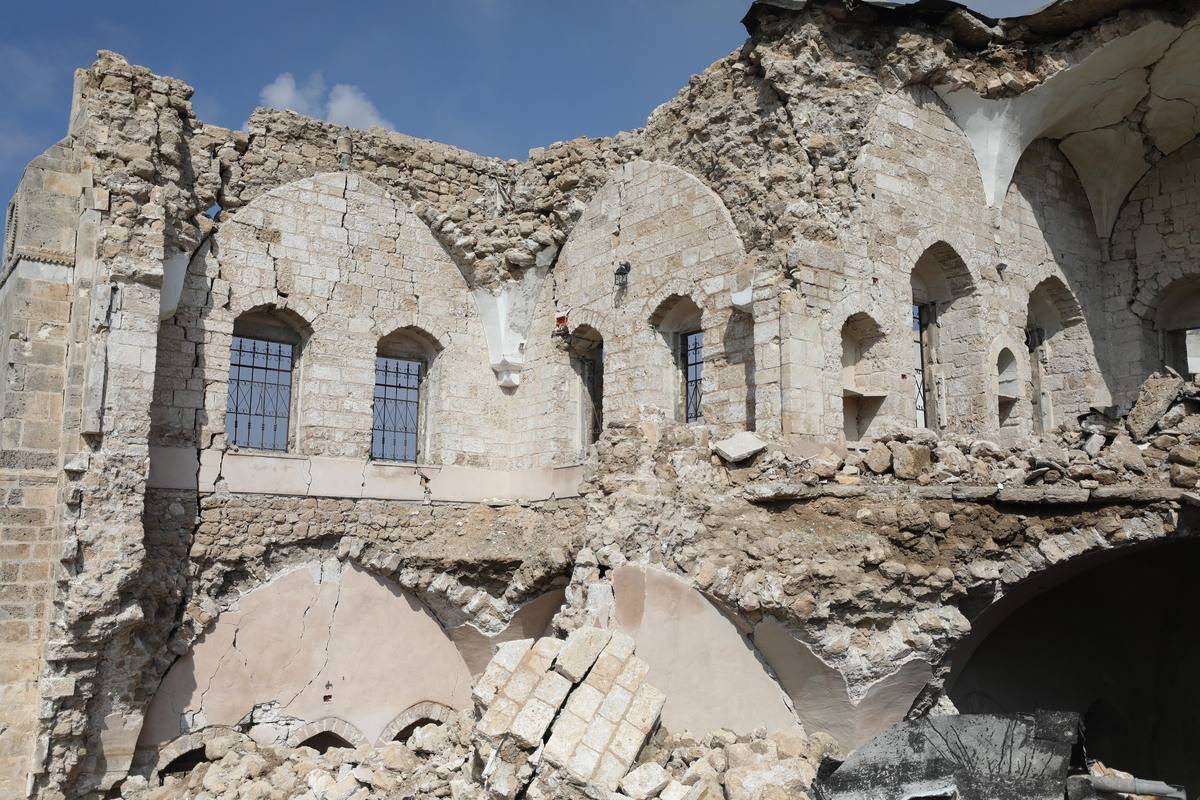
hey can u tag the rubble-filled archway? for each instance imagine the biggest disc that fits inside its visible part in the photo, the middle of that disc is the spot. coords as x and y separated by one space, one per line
1110 636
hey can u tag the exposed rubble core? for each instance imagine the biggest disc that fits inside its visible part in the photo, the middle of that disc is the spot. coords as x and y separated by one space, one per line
712 459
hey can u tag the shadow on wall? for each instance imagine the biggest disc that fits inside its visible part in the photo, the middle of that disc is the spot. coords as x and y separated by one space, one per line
1115 641
719 671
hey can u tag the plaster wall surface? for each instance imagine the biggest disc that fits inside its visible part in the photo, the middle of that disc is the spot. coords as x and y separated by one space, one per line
320 641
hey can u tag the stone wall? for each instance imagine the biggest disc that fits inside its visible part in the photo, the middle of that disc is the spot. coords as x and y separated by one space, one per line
781 203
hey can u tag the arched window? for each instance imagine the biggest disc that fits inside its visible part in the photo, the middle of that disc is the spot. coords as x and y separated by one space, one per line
864 373
400 413
1009 386
678 321
938 279
262 379
587 359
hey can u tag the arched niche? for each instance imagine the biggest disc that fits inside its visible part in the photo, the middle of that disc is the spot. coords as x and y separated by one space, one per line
408 388
1060 356
865 374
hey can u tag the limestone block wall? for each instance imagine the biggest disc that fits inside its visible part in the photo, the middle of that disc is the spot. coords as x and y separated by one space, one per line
34 316
1155 256
926 212
351 264
680 245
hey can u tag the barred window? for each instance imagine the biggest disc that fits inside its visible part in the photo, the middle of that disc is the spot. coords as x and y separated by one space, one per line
395 427
260 393
691 359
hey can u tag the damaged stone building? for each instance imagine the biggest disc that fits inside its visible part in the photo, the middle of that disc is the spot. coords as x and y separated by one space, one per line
854 391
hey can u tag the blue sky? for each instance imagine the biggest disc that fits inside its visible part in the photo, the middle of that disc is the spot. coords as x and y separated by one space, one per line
494 76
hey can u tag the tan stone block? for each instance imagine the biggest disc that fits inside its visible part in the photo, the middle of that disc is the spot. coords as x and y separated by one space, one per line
615 703
498 717
565 736
645 708
552 689
599 733
633 674
627 742
583 763
531 722
580 651
521 684
604 672
610 771
585 701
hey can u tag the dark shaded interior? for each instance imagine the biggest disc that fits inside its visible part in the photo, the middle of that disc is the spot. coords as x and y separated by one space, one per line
327 740
1117 643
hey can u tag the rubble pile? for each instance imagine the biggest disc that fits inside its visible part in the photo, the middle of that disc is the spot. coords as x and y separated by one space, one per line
1156 444
553 718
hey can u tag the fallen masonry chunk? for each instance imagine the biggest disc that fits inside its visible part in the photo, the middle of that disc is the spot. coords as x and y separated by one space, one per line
1154 399
646 781
580 707
739 447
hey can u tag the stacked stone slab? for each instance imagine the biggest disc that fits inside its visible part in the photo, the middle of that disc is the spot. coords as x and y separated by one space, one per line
579 707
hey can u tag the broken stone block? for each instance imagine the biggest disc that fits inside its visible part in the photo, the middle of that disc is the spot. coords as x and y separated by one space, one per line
1186 454
1094 444
878 458
646 781
1155 397
580 651
739 447
909 460
1184 477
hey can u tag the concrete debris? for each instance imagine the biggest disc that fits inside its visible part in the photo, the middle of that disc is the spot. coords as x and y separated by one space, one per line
973 757
739 447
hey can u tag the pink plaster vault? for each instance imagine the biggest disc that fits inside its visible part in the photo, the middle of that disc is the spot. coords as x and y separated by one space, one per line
709 671
321 641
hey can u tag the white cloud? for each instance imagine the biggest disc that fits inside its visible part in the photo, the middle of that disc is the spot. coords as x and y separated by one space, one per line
349 105
345 104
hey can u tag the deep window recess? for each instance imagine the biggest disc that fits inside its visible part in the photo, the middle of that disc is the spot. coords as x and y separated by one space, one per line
591 371
260 393
691 358
923 316
397 411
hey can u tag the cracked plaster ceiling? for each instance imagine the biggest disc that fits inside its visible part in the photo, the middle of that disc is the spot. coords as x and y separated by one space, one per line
1114 113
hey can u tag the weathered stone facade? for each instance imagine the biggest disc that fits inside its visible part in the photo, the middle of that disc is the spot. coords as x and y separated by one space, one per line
916 282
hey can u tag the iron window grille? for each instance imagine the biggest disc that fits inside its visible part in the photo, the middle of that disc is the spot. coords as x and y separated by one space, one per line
691 357
395 426
260 393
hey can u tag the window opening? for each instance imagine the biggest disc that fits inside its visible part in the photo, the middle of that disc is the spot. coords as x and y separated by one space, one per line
692 359
260 393
395 423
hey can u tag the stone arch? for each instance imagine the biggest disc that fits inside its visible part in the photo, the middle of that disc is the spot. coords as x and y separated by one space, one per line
425 710
678 239
339 727
356 262
190 742
1048 641
1175 328
1062 355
